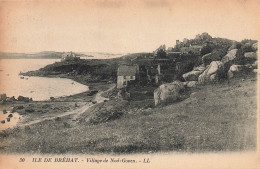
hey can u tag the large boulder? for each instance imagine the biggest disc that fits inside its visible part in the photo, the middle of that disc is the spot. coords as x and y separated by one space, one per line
251 55
168 92
11 99
231 55
24 99
255 46
190 84
199 68
213 72
192 76
247 47
203 36
238 70
255 65
208 58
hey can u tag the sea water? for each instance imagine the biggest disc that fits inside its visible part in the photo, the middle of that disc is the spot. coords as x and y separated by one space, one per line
37 88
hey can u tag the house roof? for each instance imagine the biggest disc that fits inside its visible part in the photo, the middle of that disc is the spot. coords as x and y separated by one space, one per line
125 70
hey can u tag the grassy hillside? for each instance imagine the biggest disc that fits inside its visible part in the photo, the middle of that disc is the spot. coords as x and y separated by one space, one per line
220 117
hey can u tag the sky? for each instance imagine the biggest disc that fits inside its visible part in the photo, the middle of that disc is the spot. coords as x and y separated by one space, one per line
121 26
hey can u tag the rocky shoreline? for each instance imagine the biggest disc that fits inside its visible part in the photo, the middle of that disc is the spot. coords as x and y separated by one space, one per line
28 110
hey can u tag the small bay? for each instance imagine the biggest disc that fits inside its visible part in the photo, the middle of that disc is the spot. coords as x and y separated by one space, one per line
37 88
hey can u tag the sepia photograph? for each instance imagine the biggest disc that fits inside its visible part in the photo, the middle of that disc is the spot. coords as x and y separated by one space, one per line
129 84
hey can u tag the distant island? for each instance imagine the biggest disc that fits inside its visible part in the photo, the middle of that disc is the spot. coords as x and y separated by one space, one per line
40 55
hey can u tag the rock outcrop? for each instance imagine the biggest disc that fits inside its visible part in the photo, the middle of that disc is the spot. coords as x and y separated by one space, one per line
191 84
238 70
251 55
203 36
213 72
24 99
194 74
208 58
11 99
231 55
191 76
199 68
255 46
168 92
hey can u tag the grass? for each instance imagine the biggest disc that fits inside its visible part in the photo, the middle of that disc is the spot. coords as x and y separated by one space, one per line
220 117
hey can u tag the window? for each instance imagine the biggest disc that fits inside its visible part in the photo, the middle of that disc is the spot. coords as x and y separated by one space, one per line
124 77
131 77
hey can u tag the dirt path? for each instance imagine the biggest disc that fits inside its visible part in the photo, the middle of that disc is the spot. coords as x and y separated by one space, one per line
79 110
98 98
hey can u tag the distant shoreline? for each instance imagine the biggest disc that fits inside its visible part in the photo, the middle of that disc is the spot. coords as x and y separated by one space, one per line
29 58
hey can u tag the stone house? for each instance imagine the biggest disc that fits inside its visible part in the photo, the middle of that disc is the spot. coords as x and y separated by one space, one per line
69 56
125 74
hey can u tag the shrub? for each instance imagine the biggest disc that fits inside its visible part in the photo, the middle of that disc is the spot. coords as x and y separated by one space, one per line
206 49
161 53
247 48
104 116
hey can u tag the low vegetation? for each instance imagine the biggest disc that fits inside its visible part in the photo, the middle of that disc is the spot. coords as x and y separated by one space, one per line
199 123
